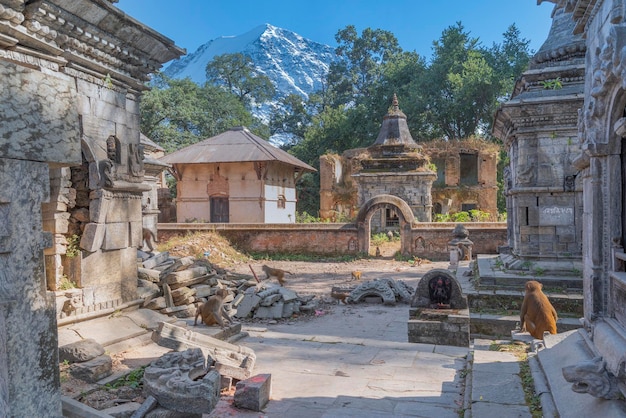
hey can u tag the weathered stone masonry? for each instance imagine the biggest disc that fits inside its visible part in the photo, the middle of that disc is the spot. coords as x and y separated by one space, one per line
71 75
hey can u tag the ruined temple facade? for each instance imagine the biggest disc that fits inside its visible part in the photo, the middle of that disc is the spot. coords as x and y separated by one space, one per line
538 127
72 174
463 176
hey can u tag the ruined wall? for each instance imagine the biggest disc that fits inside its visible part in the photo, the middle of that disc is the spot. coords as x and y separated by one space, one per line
430 240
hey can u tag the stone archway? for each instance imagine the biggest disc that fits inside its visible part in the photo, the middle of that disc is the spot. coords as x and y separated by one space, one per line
405 215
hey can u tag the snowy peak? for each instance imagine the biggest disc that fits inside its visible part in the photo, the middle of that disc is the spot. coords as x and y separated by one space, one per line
293 63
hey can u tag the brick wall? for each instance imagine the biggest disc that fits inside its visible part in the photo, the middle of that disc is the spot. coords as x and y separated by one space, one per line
430 240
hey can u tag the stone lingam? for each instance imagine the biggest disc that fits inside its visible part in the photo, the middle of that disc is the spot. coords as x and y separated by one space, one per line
439 313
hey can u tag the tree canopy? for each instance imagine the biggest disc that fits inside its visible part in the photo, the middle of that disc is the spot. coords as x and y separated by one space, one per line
452 96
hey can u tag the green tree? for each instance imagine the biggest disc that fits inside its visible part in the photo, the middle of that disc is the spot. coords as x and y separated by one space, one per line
364 55
178 113
509 59
292 120
461 90
236 72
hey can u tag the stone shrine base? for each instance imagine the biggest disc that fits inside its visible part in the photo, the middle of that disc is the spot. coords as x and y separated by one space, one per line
439 326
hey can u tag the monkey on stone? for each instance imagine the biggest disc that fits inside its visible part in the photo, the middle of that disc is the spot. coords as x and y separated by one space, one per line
356 275
148 238
274 272
212 311
537 314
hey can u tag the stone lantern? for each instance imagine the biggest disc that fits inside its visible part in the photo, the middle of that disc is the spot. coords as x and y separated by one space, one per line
460 246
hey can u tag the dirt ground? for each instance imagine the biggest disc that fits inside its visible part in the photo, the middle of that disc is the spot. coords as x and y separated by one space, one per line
309 278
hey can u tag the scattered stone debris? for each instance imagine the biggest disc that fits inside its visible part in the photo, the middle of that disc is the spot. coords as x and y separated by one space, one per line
175 286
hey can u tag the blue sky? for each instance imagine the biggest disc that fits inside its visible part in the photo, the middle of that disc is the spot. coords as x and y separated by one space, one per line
415 23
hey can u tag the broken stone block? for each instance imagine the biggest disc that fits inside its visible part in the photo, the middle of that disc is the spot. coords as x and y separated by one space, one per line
230 359
147 290
156 260
253 393
237 300
184 311
148 405
168 413
182 293
288 295
202 290
249 302
270 300
185 275
156 304
288 309
167 294
93 370
123 410
80 351
270 312
179 381
149 274
178 265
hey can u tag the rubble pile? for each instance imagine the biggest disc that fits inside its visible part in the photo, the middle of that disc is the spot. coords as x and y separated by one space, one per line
176 285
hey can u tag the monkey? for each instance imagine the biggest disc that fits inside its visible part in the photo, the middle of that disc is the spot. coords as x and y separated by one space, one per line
341 297
278 273
377 252
356 275
390 235
537 314
213 311
149 238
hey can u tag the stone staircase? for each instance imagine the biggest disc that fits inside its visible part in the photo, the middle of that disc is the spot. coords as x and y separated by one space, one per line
495 295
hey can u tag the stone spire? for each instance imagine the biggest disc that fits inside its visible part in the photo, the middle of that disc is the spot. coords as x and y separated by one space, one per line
394 130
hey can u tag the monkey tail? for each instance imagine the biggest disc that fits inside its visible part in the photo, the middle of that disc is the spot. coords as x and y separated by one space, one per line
289 272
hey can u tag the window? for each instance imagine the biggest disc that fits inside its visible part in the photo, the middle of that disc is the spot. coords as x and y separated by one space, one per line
469 169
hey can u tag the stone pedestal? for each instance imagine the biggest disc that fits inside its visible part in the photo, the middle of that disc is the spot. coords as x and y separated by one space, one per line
439 312
439 326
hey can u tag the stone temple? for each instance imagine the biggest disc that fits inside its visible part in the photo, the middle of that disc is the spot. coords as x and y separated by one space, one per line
71 77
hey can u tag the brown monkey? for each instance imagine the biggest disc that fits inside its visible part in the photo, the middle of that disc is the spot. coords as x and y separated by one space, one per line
278 273
356 275
340 296
537 314
213 311
377 252
148 238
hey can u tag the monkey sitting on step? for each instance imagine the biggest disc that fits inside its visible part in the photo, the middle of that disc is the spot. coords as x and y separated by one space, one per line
213 311
537 314
278 273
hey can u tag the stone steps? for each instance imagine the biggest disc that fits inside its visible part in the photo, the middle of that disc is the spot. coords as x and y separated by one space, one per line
494 310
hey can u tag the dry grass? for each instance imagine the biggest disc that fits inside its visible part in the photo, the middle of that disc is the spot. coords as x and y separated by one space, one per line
204 245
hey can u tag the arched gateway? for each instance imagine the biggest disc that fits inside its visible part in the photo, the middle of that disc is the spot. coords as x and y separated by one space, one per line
385 201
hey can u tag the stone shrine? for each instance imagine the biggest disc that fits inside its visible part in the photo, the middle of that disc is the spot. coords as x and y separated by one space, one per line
538 126
71 76
439 311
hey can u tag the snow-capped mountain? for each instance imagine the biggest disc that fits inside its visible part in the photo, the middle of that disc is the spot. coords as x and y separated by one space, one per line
293 63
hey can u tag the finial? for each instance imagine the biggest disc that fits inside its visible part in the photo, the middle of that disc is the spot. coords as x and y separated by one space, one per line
394 102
